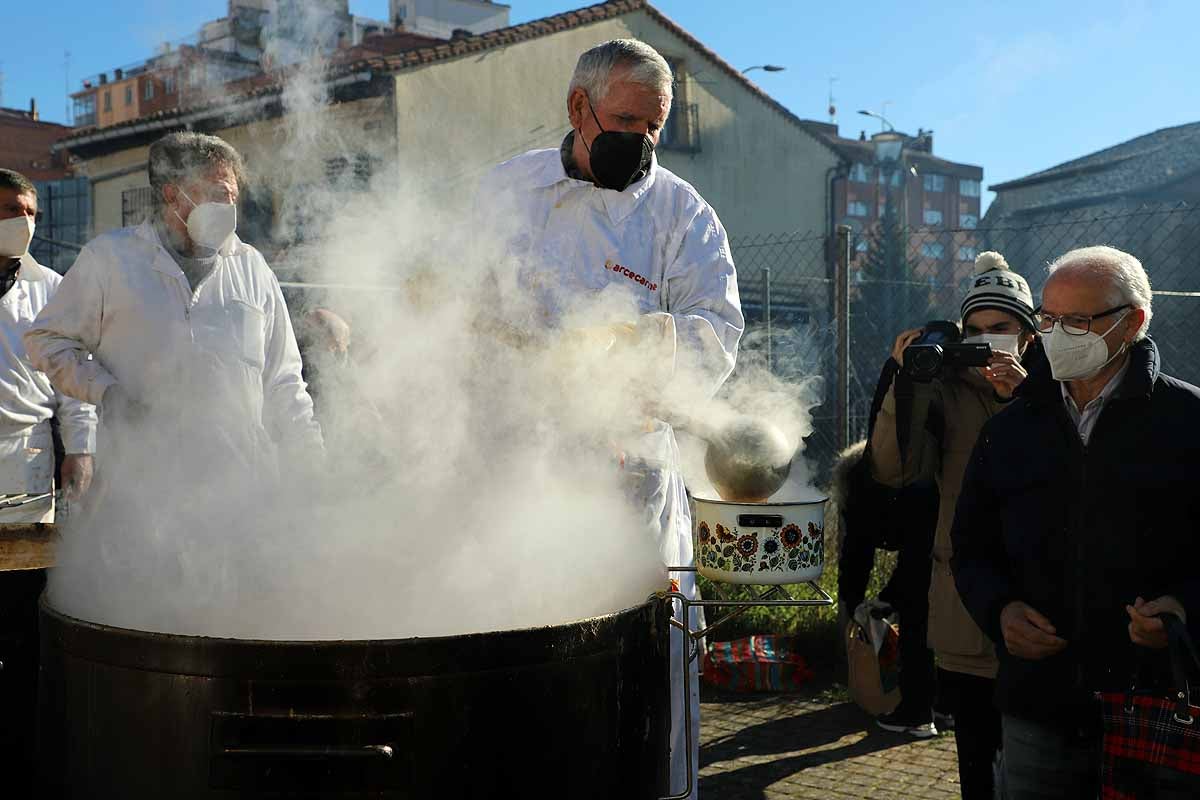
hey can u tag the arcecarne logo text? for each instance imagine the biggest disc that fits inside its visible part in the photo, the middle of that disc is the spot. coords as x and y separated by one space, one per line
628 273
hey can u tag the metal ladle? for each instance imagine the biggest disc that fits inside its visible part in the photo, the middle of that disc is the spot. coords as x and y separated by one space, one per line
747 460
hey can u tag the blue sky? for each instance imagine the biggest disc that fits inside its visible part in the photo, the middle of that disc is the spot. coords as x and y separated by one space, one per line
1015 86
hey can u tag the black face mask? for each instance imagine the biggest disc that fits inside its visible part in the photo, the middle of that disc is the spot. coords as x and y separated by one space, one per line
618 158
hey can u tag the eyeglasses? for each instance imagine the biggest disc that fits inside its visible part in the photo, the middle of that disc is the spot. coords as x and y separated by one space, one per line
1072 324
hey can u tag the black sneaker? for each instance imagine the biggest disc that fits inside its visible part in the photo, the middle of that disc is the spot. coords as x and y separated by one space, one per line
943 721
915 726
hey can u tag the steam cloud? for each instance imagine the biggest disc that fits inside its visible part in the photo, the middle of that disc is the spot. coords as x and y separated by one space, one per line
486 493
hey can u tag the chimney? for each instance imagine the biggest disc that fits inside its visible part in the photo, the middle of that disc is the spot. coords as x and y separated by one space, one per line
33 112
103 78
118 74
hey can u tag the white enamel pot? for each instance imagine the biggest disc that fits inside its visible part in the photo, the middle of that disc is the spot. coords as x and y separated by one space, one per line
760 543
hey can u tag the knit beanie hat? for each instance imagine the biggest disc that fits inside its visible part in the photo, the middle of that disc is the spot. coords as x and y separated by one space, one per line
997 287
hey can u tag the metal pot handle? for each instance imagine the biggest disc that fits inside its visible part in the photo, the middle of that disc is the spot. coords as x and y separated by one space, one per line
368 751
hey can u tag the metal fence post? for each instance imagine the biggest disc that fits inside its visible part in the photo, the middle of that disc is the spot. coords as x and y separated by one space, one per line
842 320
766 273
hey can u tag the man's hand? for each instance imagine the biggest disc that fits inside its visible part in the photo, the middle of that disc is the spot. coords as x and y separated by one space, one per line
903 341
1027 634
1005 373
77 470
1144 628
116 406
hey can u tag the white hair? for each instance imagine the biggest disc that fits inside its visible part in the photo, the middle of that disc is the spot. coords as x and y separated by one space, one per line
1127 278
643 63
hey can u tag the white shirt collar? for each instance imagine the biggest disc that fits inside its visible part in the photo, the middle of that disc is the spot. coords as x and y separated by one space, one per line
30 269
619 205
1105 393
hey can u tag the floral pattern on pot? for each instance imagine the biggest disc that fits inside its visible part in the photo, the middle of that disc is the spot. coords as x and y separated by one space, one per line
788 548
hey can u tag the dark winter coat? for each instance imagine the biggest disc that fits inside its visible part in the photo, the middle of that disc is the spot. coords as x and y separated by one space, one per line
1079 532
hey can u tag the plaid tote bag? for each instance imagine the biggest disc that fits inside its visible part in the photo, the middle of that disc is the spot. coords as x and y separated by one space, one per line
1152 739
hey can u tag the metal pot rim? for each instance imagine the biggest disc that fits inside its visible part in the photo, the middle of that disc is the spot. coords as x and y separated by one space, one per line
185 654
767 504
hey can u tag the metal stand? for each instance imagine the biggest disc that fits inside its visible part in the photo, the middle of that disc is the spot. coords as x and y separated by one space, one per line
691 649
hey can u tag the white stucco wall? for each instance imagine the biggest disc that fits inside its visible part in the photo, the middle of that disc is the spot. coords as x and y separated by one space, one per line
456 119
452 121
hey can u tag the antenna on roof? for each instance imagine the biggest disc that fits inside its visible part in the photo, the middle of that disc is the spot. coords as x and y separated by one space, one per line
1 84
67 86
832 103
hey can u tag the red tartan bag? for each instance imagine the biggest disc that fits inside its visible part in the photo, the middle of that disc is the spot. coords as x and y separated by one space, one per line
1153 738
757 664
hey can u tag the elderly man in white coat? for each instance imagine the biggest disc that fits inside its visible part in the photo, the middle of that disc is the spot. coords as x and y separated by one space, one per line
179 332
28 402
601 214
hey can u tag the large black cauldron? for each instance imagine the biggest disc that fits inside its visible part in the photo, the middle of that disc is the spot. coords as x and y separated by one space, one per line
579 710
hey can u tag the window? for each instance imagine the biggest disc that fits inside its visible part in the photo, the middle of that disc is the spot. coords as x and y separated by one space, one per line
85 110
897 177
353 173
860 173
136 205
968 221
968 188
967 253
108 101
862 246
148 89
933 250
935 183
681 131
856 208
932 216
169 83
129 95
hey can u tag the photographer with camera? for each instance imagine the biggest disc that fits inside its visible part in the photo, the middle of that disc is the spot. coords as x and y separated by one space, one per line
947 388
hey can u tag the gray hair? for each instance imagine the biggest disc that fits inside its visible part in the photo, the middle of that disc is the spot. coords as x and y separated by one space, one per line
1127 278
644 64
11 179
181 157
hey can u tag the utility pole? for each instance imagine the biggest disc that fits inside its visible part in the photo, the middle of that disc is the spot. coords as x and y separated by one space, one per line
841 312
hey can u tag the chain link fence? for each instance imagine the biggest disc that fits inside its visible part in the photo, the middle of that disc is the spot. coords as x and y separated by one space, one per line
895 279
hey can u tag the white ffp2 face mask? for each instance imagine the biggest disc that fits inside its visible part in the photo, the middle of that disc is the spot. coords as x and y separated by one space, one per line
15 235
1078 358
210 224
1000 342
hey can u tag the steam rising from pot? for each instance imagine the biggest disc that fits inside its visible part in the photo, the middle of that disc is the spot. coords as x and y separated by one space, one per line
483 491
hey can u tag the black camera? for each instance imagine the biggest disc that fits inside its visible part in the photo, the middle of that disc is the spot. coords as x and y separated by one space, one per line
940 348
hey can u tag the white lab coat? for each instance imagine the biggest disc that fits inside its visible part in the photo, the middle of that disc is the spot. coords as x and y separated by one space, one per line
218 366
28 401
659 239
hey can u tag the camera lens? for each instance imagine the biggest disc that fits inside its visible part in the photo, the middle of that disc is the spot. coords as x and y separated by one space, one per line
926 361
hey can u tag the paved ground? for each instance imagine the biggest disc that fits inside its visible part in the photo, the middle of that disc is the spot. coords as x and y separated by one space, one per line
760 747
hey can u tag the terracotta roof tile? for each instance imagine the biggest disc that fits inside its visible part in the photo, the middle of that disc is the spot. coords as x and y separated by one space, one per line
259 85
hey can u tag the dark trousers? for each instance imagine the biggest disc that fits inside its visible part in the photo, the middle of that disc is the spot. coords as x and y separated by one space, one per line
19 592
977 730
1045 763
908 592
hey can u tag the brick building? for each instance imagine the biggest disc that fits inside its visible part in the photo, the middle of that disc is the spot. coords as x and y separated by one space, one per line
25 142
934 200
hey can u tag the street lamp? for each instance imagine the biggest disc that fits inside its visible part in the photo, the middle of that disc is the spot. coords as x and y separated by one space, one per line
765 68
879 117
